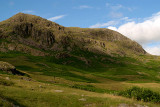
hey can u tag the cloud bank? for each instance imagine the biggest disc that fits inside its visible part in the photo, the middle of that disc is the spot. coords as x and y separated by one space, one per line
153 50
144 32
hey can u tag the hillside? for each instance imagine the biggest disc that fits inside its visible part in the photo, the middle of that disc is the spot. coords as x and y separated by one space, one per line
70 66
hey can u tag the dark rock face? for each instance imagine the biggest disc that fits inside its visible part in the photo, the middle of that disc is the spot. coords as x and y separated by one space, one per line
43 37
62 55
23 29
5 47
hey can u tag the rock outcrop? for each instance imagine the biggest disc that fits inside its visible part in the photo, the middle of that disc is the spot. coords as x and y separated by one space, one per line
8 68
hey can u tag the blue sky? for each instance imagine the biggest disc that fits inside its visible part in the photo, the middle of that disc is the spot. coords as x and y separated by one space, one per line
133 18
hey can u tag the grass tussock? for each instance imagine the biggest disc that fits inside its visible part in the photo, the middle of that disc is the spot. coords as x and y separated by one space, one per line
6 82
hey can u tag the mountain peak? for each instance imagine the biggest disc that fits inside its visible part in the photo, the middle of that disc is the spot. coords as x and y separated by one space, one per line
22 17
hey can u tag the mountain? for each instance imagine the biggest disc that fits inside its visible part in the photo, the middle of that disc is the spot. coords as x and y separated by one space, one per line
30 39
34 31
44 64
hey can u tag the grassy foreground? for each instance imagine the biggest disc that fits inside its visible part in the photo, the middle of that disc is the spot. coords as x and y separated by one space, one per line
36 94
54 83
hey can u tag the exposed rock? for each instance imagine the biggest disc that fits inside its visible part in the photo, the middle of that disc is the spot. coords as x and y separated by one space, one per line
7 78
6 67
87 62
26 78
22 48
82 99
59 91
40 86
62 55
90 105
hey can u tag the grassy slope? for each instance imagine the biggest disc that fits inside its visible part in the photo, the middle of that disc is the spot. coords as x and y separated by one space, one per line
107 76
140 69
37 94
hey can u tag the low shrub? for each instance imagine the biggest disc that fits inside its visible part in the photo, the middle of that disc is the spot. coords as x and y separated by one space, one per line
141 94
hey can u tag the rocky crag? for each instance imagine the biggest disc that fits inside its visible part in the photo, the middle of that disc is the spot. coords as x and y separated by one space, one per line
35 35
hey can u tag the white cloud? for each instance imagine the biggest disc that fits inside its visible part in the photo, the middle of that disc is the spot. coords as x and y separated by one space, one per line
115 10
126 19
112 23
115 7
107 4
83 7
56 17
145 32
11 3
28 11
98 25
112 28
153 50
116 14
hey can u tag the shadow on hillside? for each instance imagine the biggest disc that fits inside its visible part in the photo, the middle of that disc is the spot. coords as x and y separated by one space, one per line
12 101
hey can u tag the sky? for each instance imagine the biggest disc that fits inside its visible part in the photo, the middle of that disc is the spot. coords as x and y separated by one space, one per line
139 20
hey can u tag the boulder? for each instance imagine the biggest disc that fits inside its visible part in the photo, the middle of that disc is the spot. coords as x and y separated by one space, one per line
7 67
